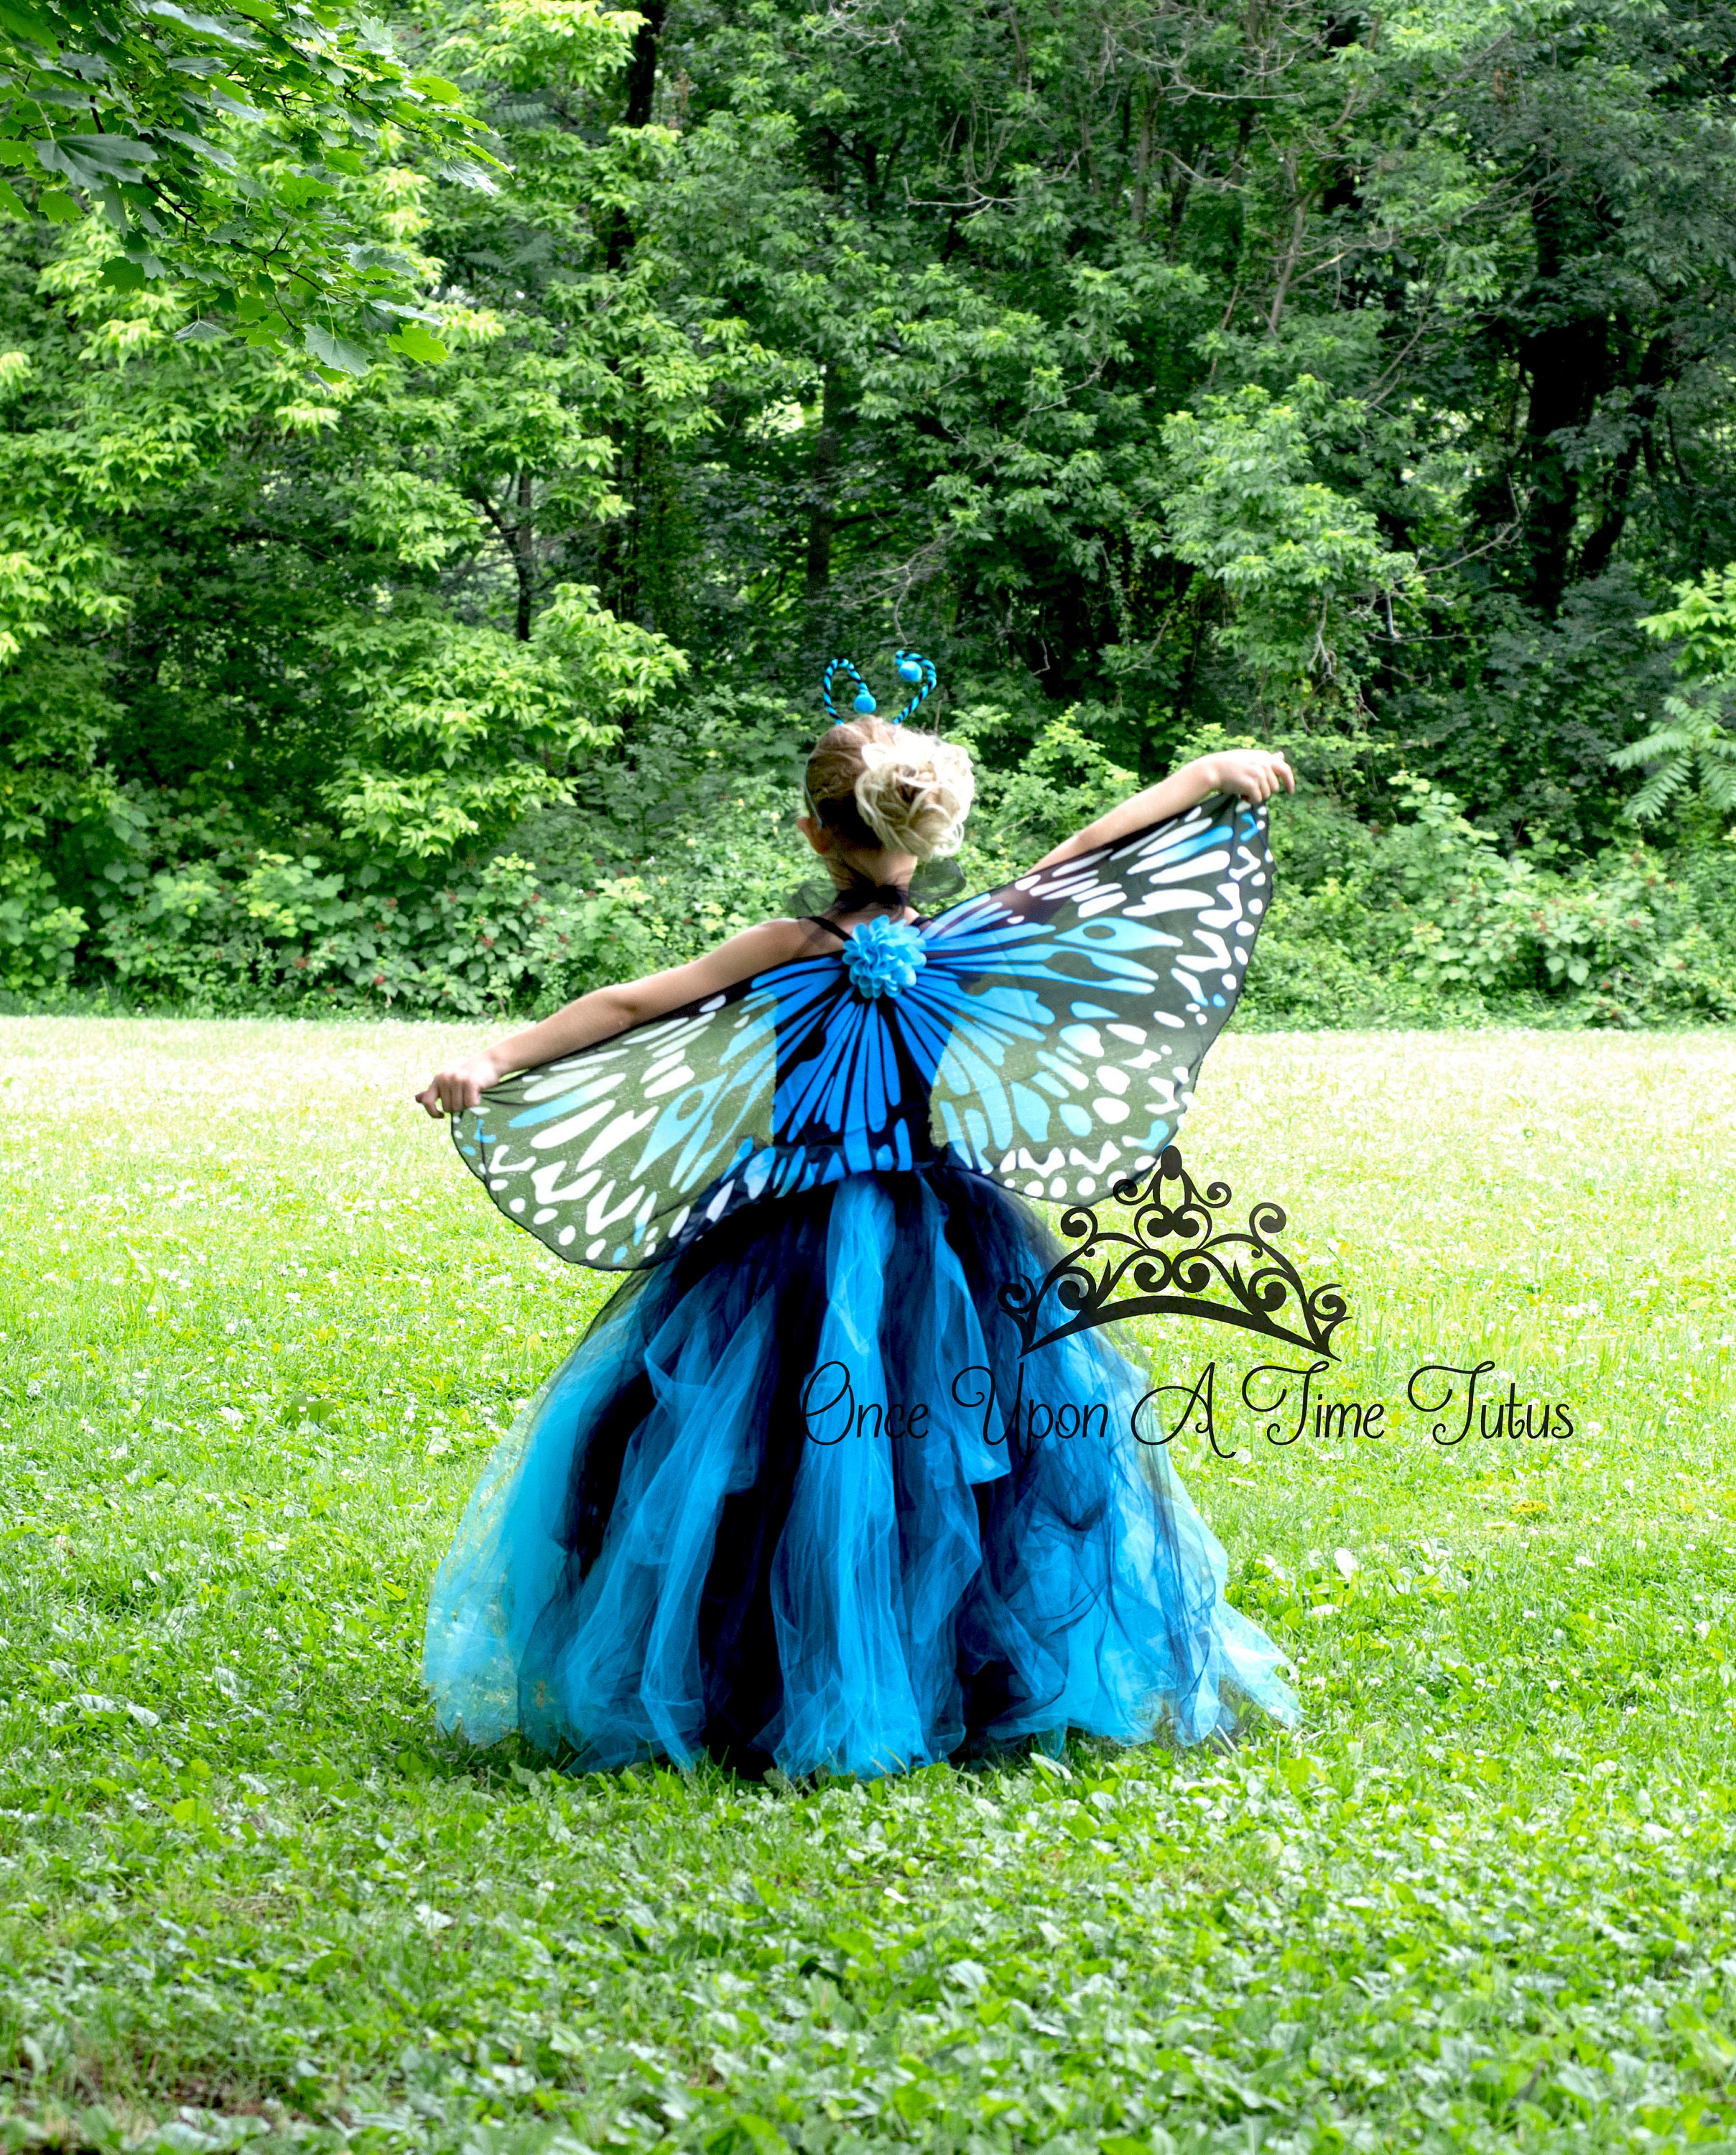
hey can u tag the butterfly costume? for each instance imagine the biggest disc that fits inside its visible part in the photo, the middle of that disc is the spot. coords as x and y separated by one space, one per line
795 1499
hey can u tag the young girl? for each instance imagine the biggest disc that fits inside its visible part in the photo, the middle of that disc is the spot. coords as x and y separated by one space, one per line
797 1499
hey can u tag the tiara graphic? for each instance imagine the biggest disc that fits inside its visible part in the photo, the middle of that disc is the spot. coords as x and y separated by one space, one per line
1177 1260
913 670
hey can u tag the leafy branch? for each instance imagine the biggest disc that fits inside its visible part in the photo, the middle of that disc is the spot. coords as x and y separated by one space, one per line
1694 738
221 145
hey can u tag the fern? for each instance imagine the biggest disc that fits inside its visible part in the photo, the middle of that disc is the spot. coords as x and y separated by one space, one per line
1694 736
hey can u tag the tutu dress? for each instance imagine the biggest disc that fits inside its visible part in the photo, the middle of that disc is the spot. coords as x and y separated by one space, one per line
797 1499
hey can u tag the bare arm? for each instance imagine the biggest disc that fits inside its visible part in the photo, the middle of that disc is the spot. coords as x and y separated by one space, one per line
1255 773
606 1012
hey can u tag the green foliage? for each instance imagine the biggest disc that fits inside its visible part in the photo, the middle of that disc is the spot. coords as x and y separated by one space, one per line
222 144
687 837
1695 737
1305 570
1030 798
1703 624
1429 923
197 915
38 936
54 720
1529 738
1362 383
700 810
458 732
259 1334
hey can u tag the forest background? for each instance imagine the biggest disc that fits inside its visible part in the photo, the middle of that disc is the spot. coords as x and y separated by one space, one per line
1172 374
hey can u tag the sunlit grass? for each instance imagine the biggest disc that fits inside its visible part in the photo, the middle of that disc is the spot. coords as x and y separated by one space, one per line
259 1330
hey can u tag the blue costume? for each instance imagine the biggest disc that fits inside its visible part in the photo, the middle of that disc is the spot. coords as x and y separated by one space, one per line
796 1499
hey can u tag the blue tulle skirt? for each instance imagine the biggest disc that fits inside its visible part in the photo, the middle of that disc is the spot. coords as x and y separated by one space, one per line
795 1502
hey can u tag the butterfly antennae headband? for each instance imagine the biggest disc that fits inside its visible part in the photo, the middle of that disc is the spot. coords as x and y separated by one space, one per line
913 670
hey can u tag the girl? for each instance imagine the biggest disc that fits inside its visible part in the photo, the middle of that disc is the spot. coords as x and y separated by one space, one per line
797 1499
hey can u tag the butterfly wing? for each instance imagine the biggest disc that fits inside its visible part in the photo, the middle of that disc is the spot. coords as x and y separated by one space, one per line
603 1154
620 1155
1050 1039
1084 995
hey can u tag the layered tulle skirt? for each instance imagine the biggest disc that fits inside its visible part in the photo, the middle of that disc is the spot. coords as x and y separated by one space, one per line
795 1501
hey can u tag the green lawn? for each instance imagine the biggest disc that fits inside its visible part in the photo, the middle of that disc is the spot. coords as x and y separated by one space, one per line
258 1330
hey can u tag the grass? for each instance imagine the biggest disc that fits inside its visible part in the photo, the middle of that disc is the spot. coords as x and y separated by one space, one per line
259 1331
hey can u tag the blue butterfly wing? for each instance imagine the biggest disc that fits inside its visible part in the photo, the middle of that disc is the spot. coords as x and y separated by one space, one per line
1051 1040
622 1154
604 1156
1085 997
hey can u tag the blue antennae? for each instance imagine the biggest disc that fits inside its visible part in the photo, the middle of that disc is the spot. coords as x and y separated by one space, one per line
864 705
913 671
913 668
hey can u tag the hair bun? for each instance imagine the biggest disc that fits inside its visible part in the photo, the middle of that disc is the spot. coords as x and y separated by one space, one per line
914 793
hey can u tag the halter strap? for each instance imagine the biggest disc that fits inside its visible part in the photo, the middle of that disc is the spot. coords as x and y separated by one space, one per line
820 920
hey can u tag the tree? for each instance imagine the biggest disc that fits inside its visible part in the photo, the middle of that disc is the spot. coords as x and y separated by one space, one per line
1361 376
222 144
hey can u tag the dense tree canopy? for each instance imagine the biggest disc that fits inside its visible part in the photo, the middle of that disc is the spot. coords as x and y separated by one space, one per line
1360 380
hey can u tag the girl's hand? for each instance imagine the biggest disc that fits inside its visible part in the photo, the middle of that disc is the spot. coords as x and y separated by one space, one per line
461 1085
1254 774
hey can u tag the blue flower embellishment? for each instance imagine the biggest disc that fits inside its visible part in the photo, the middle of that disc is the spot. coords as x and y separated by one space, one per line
884 958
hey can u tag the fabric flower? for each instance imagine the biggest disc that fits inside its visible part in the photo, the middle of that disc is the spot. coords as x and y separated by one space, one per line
883 957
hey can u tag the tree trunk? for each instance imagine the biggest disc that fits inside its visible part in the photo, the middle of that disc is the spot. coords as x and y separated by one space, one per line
1566 366
1142 157
1288 265
641 95
823 488
1178 204
1641 414
524 555
642 68
617 548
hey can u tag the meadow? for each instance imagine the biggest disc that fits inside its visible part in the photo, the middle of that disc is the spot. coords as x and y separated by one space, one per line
259 1333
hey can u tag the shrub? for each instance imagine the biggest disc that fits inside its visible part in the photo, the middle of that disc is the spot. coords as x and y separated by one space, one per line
685 839
1429 923
239 926
38 936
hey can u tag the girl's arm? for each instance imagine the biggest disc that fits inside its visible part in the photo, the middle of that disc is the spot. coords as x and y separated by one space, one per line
1255 773
606 1012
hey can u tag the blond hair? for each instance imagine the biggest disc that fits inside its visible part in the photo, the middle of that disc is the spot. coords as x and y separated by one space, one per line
891 788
